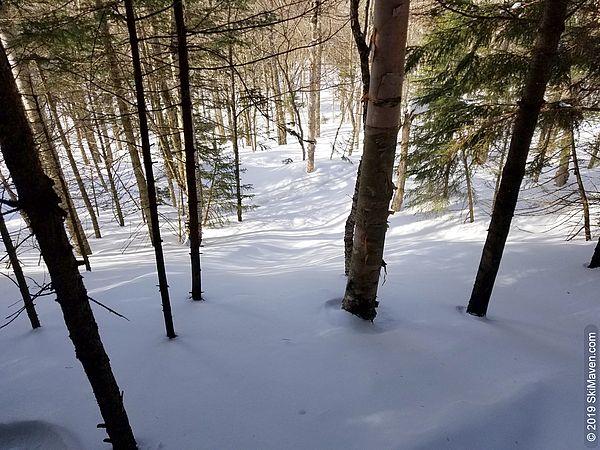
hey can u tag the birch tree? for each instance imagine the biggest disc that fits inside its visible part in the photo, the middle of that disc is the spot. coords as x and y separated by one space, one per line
390 28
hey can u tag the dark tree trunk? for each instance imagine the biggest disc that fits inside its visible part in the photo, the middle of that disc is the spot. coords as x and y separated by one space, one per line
124 114
350 223
147 156
363 54
362 47
234 135
381 132
595 262
544 54
41 204
21 281
190 153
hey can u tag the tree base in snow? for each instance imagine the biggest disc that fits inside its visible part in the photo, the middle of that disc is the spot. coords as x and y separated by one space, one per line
363 308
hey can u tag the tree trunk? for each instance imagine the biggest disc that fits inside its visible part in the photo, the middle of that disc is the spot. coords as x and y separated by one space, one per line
151 189
469 186
125 117
562 173
294 110
398 199
279 111
543 58
41 204
157 119
233 124
107 154
67 146
381 132
581 187
53 167
594 156
51 162
350 224
190 153
547 134
595 262
18 270
363 53
314 86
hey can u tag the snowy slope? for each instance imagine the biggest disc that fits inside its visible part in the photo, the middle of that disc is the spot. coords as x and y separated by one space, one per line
269 361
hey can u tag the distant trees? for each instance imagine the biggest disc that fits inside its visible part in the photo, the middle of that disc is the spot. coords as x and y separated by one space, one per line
467 74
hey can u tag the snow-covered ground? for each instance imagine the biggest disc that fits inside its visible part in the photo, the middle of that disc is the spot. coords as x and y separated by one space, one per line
269 361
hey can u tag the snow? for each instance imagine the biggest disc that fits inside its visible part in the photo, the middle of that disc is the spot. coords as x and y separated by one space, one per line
269 361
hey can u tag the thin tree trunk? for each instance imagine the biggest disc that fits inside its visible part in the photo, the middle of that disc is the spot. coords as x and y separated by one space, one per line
107 154
218 111
234 135
362 48
314 86
279 111
7 188
158 121
174 120
381 132
363 53
190 152
92 143
546 135
125 117
41 204
581 187
295 113
319 71
67 146
398 199
543 58
350 224
79 139
562 173
469 186
18 270
50 157
594 156
151 189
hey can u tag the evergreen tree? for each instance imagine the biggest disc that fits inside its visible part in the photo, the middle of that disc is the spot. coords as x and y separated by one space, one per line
542 60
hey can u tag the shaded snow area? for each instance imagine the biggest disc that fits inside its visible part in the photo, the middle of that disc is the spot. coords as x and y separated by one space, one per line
269 361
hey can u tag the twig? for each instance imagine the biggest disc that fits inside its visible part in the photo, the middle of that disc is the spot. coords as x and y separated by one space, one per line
14 317
107 308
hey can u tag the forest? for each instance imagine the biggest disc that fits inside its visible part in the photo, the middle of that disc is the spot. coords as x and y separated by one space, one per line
323 224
